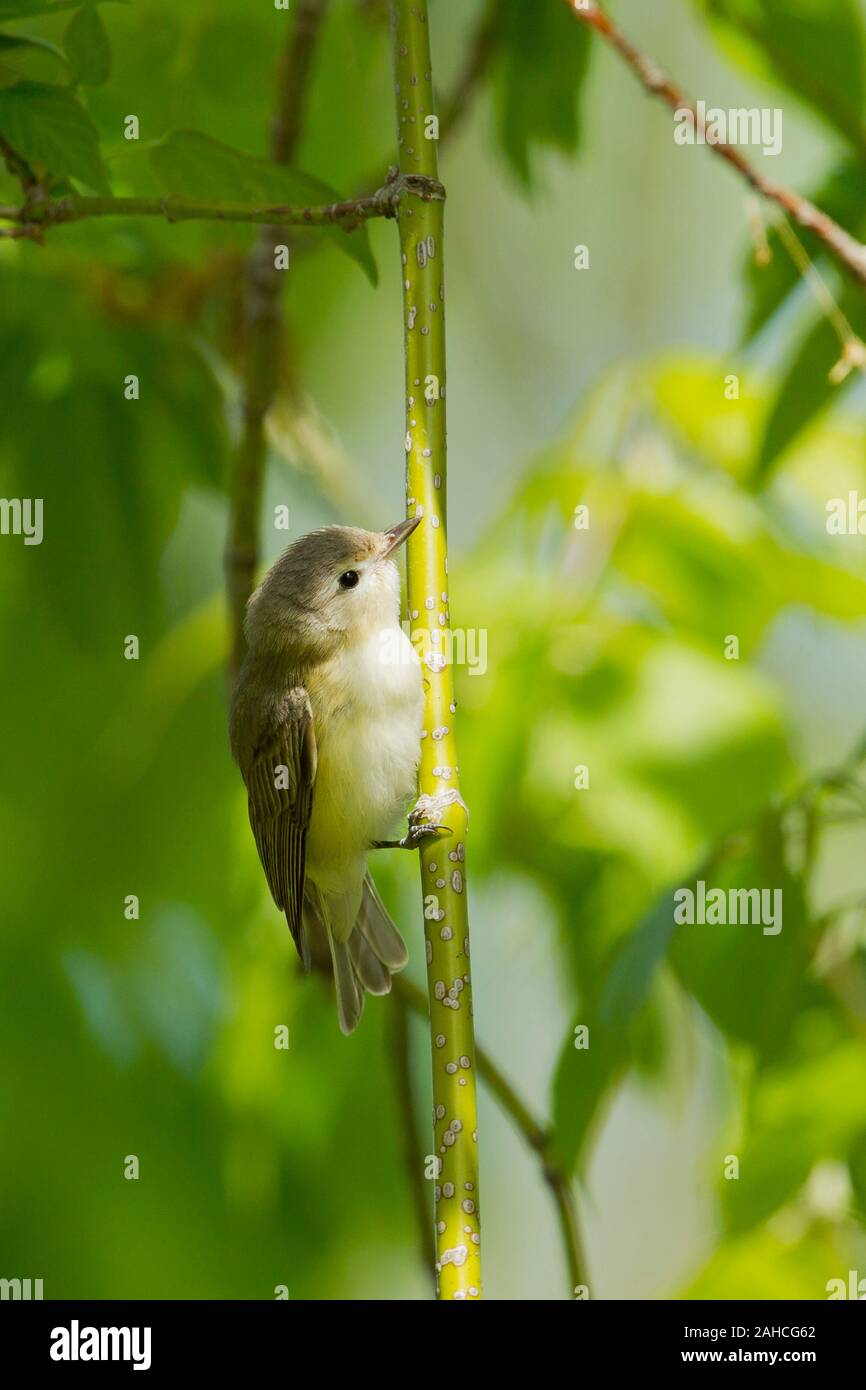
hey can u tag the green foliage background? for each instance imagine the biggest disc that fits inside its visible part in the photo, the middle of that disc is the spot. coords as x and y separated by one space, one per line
605 648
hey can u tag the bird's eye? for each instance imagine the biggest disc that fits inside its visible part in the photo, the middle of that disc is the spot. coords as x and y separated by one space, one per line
349 579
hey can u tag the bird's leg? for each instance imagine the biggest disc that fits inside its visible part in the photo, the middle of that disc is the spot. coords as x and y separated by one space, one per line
414 837
419 831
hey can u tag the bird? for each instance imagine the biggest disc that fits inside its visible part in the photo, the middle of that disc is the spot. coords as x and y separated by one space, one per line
325 725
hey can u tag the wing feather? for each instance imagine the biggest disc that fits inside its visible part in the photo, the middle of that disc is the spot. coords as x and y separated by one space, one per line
280 778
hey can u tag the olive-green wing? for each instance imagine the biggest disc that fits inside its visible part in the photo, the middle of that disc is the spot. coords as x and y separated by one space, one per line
280 781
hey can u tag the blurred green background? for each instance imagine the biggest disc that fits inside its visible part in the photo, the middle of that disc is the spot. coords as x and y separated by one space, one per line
605 647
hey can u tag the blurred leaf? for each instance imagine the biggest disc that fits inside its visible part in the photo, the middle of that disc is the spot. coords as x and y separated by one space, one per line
800 1115
765 1265
193 165
813 47
86 43
769 970
585 1076
857 1171
31 58
25 9
842 195
806 388
49 125
138 462
543 59
631 975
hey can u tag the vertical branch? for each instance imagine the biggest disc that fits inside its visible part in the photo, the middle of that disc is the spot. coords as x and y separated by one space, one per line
539 1138
263 336
420 221
293 80
261 351
399 1044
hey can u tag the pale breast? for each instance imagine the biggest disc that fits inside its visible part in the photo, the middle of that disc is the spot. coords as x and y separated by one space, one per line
368 708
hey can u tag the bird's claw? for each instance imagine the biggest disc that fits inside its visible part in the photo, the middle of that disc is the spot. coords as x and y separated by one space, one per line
419 831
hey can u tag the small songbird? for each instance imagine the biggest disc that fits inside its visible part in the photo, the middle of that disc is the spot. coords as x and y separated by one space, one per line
325 726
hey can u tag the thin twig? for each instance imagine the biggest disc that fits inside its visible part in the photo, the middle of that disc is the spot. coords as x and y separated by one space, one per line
18 166
347 215
399 1047
539 1139
847 250
853 350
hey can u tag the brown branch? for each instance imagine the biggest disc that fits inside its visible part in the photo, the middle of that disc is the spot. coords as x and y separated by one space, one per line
849 252
293 75
347 215
18 166
399 1044
264 338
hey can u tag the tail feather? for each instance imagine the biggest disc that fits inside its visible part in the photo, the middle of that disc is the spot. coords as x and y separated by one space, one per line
369 970
375 924
350 993
365 962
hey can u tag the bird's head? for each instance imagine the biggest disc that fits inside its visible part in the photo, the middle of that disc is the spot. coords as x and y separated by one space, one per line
332 587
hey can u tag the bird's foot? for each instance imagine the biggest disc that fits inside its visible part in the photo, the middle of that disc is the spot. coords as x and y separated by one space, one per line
419 831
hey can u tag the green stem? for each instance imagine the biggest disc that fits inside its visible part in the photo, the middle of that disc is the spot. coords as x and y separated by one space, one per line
399 1044
537 1137
446 923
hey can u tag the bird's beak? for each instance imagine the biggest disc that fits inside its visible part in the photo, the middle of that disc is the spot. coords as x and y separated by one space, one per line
396 535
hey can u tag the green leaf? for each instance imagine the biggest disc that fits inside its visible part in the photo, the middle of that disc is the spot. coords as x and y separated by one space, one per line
86 43
192 165
544 54
770 969
48 125
857 1170
801 1115
806 389
813 47
31 58
842 195
585 1076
